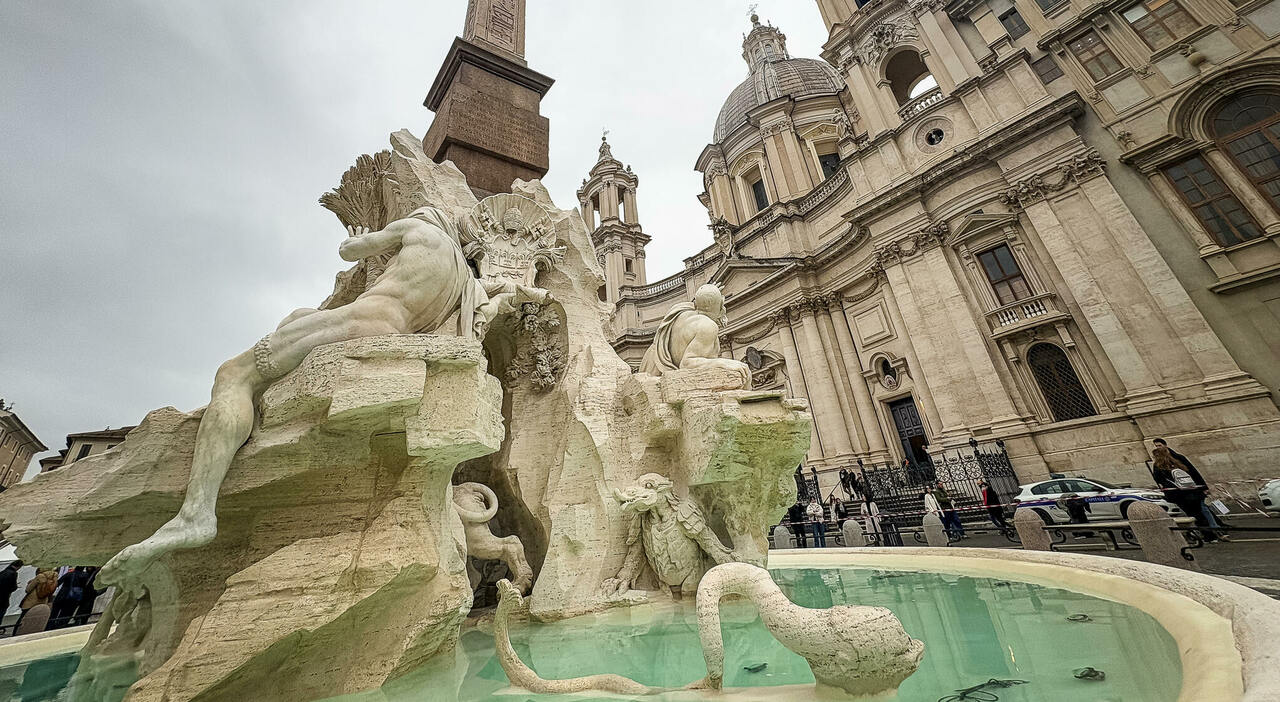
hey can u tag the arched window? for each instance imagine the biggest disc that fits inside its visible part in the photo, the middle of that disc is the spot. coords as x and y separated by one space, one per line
908 76
1247 127
1059 383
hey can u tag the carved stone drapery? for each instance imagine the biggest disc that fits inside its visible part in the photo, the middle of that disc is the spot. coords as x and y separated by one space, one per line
1062 176
893 253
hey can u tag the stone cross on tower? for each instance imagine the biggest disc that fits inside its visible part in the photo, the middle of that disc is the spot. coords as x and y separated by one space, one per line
496 25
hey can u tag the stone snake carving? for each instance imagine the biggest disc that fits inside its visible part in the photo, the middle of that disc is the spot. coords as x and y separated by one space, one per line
510 601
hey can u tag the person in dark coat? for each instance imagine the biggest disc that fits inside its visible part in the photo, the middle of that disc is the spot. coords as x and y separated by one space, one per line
991 501
70 590
84 609
1181 488
1210 518
795 522
8 585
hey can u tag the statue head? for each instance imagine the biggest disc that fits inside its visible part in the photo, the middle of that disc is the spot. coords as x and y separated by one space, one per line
648 491
709 300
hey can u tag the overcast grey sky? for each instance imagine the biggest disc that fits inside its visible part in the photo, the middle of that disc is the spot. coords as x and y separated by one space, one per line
162 160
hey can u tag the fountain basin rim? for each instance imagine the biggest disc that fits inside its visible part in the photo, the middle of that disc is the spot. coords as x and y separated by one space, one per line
44 644
1228 635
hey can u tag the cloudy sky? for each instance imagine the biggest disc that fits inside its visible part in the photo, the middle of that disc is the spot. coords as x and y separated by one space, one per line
162 160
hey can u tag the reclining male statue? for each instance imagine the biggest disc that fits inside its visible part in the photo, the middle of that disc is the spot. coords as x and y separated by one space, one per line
689 337
426 281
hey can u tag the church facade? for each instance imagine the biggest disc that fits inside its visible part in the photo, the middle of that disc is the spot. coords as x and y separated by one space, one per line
1045 223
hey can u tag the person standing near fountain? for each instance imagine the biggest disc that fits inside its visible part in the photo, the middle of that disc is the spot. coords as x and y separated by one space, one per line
426 281
816 516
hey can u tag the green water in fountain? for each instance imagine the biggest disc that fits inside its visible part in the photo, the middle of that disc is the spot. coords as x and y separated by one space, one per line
973 628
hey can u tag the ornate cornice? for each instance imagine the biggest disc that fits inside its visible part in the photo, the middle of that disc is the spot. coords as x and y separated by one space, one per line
909 246
1039 186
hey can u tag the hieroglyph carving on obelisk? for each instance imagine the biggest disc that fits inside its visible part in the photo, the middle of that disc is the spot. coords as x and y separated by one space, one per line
498 24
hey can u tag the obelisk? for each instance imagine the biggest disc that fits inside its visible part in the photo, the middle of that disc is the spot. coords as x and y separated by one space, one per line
486 101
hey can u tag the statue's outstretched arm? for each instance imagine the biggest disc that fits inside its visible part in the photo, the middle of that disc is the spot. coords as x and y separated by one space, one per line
363 243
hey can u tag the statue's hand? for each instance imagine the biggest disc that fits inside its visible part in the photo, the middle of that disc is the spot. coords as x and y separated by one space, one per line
612 587
357 231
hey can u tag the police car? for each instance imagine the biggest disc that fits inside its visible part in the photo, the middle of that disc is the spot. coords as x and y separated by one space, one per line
1269 494
1106 502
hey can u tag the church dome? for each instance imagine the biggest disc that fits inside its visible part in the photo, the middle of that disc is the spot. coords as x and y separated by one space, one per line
796 77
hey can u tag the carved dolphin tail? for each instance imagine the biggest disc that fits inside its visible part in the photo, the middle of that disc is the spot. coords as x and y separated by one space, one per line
862 650
520 675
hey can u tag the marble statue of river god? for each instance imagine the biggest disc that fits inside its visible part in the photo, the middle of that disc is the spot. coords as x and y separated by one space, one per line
425 282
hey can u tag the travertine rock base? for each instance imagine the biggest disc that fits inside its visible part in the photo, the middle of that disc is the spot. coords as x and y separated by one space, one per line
339 557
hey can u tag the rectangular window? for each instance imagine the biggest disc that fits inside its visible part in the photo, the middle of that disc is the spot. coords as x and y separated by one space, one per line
1048 4
1096 58
830 164
1047 69
1004 275
760 194
1212 202
84 451
1014 24
627 264
1160 22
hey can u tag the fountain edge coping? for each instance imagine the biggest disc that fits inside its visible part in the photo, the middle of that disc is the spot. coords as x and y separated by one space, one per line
1206 615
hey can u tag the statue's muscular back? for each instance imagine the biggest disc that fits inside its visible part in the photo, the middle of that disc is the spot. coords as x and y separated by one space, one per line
422 283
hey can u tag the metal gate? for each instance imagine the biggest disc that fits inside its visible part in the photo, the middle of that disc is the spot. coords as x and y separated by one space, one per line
898 490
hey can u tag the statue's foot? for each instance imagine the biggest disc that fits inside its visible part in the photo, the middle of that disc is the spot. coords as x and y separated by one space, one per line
176 534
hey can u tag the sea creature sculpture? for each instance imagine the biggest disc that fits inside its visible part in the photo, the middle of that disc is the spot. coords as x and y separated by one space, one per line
476 504
510 601
861 650
671 533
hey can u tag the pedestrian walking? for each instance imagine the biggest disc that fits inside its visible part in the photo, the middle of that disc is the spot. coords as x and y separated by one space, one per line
1181 489
70 591
950 517
816 517
991 501
1210 518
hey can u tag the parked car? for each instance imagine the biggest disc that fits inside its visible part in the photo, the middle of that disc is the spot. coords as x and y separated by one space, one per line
1270 496
1106 502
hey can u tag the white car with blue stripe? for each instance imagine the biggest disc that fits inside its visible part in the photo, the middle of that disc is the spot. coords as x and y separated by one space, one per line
1107 503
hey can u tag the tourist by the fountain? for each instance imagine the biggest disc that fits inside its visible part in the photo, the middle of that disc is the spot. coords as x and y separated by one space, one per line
1181 489
839 512
1191 470
71 590
795 522
84 609
991 500
816 515
937 499
39 590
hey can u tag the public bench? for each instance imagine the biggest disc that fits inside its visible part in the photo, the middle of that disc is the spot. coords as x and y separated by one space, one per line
1107 531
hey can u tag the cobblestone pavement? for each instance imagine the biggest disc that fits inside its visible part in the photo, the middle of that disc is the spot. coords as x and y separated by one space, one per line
1251 558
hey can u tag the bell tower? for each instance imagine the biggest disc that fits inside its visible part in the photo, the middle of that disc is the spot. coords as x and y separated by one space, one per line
608 200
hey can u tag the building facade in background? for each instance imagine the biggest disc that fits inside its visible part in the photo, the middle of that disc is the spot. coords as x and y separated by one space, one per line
17 446
1048 223
83 445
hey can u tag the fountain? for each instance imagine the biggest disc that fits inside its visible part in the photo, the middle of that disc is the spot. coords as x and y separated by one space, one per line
376 466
